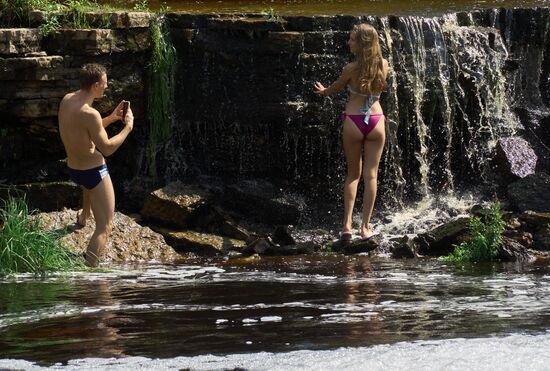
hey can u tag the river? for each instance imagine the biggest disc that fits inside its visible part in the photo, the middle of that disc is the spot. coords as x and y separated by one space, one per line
322 312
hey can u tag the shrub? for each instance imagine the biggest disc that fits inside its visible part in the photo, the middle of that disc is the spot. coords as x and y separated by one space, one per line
485 241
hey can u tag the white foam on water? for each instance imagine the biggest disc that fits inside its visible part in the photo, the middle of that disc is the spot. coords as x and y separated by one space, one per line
515 352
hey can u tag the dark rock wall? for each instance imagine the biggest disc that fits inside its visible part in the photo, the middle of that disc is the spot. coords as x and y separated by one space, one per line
457 83
245 107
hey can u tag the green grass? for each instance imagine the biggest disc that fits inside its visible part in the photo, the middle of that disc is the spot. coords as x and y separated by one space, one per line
161 81
59 13
26 248
485 241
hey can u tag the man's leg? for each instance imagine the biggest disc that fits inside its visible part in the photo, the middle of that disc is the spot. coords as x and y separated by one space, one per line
102 199
86 208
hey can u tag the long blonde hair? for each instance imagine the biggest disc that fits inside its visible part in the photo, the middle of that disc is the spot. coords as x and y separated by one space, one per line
369 71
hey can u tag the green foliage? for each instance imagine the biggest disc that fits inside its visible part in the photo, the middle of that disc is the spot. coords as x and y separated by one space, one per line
271 15
51 23
15 12
141 6
485 240
161 79
59 13
25 247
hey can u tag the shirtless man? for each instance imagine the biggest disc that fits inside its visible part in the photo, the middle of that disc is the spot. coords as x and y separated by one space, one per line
86 142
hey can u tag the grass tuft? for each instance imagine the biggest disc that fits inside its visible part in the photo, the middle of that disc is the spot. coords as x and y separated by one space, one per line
485 241
26 248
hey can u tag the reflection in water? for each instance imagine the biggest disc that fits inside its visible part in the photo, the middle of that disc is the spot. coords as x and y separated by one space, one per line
269 304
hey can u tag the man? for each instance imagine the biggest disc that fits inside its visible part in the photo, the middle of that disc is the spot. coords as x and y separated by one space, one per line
86 142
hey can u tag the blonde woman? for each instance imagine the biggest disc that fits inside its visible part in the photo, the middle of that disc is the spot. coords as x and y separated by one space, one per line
363 133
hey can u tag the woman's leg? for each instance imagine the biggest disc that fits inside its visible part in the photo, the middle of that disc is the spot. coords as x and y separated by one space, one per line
352 139
374 145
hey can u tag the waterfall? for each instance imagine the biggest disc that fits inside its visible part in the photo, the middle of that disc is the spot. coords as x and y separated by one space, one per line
455 82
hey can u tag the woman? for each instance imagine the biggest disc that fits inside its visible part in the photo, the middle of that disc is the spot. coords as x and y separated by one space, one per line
363 132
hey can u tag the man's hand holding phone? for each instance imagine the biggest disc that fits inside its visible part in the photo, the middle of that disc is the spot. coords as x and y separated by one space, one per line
127 115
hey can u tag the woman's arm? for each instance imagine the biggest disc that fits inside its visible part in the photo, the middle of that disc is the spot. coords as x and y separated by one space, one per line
338 85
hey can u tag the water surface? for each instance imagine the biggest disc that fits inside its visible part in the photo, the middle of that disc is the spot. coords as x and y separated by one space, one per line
266 305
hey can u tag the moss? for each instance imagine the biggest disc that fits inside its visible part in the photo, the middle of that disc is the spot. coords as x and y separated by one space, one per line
161 80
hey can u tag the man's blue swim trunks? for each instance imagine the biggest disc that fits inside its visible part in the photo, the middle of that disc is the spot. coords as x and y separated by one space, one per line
89 178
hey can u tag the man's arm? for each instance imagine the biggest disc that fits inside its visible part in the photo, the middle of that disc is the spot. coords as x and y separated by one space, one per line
114 116
107 146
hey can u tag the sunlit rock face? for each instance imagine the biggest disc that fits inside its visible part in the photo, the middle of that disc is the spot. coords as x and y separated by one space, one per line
128 242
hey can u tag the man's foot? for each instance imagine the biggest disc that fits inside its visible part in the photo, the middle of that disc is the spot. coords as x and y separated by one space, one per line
80 220
92 260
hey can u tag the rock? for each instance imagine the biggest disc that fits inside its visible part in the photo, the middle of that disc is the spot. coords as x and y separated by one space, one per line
203 244
282 236
252 24
511 250
31 68
534 220
129 242
541 238
174 204
362 246
212 219
531 193
522 237
51 196
440 240
261 202
402 248
19 41
515 158
260 246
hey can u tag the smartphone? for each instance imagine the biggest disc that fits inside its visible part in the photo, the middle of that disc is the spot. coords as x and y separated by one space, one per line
125 106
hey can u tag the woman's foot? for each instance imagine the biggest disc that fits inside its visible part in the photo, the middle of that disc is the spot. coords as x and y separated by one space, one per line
346 234
366 233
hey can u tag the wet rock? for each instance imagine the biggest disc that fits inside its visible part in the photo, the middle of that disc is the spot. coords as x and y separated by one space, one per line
136 191
260 246
541 238
402 248
203 244
531 193
522 237
282 236
51 196
511 250
440 240
363 246
213 219
129 242
262 202
174 204
253 24
515 158
534 220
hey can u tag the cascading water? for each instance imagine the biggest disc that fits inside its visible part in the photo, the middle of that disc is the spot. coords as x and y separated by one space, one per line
253 113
